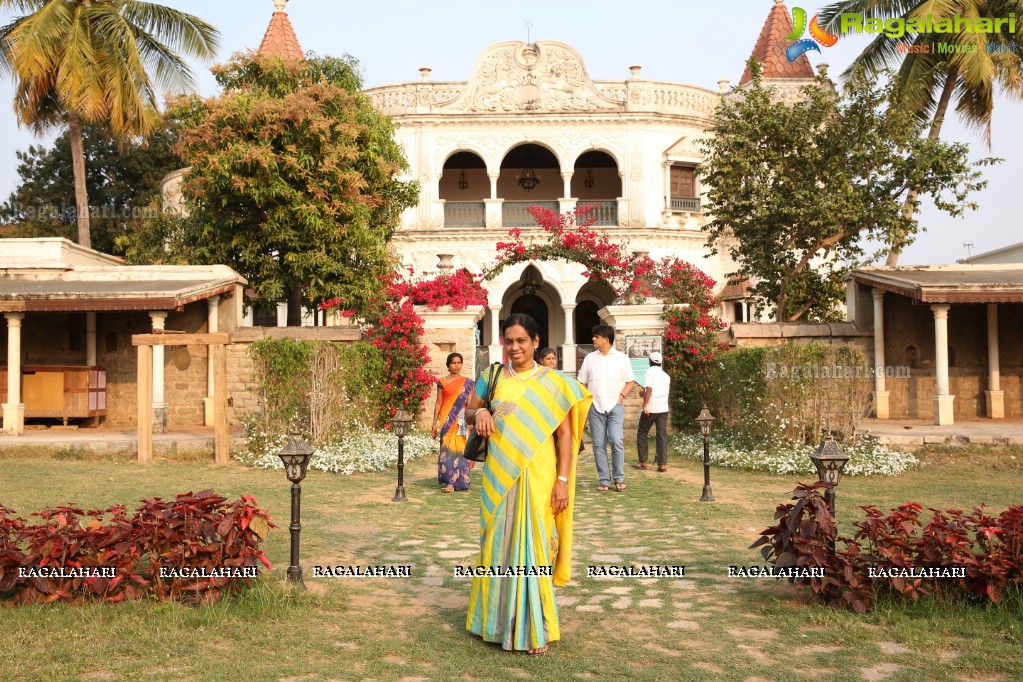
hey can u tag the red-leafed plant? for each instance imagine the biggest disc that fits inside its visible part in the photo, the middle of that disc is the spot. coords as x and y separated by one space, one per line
190 533
987 549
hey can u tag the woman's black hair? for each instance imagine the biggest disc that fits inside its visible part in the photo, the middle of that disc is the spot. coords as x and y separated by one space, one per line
544 352
521 320
452 356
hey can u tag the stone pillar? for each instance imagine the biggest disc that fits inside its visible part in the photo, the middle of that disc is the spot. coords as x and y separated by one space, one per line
494 210
667 187
943 402
212 326
568 350
159 318
994 396
881 395
496 345
90 339
567 180
14 409
493 184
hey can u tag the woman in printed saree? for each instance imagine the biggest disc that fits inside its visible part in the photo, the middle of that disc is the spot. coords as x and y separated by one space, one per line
449 425
534 426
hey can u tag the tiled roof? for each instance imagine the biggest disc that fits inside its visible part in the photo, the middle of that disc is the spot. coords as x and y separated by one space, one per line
770 49
280 38
735 290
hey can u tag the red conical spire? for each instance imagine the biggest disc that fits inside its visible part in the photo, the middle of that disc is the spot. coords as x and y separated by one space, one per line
770 48
280 38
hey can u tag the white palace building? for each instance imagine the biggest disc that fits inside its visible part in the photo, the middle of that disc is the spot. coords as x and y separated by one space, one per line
531 128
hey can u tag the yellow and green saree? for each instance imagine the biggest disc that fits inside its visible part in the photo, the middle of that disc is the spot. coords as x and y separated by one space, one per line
520 538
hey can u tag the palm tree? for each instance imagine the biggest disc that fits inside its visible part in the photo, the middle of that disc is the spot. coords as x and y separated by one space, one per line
97 62
928 79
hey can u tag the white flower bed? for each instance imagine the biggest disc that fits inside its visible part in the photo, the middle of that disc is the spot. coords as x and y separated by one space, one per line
867 457
358 450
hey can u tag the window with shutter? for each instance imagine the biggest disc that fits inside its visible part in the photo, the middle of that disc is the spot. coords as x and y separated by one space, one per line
682 184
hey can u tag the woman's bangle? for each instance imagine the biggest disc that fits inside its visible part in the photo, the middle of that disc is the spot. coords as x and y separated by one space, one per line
563 478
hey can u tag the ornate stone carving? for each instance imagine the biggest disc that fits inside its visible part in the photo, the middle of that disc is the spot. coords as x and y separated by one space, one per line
688 146
542 76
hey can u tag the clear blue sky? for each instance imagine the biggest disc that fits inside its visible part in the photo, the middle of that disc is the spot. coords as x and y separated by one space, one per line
680 41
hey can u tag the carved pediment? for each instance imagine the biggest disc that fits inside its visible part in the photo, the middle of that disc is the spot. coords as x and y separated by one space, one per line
544 76
686 146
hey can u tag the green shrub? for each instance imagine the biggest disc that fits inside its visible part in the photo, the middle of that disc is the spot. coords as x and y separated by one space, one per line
791 392
321 387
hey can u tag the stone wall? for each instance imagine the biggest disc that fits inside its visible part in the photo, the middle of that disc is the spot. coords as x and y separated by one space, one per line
447 331
59 338
243 394
909 342
759 335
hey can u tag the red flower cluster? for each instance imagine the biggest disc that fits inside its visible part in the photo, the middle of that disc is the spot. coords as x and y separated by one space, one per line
459 290
396 329
570 238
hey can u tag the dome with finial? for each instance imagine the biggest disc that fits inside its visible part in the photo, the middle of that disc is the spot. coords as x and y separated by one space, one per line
280 39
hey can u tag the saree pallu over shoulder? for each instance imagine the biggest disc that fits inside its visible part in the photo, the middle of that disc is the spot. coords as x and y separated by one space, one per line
526 416
518 529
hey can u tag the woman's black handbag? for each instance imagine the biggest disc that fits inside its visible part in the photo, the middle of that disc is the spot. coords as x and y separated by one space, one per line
476 445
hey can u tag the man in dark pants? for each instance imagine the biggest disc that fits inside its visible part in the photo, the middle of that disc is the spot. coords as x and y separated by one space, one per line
655 413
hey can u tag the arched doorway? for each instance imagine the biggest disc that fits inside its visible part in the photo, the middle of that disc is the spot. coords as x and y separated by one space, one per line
535 307
586 318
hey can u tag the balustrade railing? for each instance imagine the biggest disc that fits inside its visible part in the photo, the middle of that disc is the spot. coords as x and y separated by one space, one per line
465 214
514 213
683 204
604 213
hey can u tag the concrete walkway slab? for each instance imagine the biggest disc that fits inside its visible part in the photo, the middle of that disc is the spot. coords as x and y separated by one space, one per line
916 432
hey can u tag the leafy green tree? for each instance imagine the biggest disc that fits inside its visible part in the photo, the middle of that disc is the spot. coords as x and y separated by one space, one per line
294 180
797 190
123 182
98 62
928 79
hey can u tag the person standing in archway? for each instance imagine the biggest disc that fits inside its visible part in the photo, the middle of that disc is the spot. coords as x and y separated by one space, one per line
607 373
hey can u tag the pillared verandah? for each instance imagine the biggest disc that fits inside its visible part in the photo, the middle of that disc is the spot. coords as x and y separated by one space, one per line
690 335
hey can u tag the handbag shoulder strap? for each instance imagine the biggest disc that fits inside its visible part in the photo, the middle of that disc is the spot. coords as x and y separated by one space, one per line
495 376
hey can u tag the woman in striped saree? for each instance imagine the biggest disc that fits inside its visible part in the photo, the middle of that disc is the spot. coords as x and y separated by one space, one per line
535 427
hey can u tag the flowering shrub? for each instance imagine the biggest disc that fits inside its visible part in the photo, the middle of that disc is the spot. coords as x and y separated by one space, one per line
395 328
156 552
690 347
358 449
459 290
570 238
690 336
897 553
782 457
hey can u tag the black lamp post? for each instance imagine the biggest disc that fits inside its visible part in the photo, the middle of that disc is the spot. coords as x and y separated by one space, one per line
401 421
829 461
295 455
705 419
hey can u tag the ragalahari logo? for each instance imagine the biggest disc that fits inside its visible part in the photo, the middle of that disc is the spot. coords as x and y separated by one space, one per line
819 35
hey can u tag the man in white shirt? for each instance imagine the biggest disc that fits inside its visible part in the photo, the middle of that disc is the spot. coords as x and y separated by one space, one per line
607 373
655 413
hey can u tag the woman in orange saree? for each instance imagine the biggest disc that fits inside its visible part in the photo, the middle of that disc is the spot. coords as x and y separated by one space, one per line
449 425
534 427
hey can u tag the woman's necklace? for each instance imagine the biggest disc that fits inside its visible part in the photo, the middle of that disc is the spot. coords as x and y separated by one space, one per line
511 370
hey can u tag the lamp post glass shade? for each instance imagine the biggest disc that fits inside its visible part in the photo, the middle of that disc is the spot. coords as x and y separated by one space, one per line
705 419
296 455
400 422
830 461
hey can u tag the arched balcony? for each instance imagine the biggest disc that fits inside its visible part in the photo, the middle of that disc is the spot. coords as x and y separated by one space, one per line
529 175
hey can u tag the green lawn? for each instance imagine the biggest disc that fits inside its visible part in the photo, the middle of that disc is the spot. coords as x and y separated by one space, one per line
705 626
